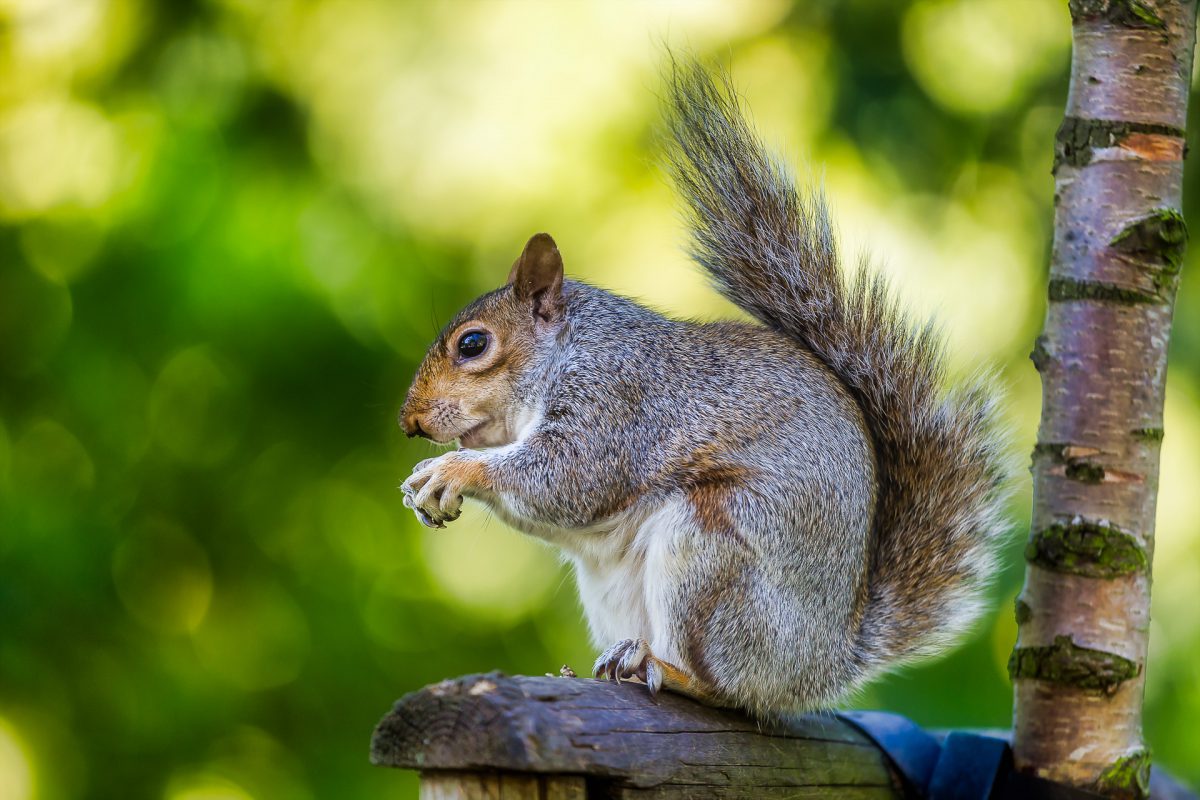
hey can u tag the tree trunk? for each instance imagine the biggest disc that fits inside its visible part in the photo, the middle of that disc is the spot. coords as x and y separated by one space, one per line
1079 665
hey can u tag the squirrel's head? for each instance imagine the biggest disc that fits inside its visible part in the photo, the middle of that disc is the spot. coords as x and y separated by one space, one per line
471 385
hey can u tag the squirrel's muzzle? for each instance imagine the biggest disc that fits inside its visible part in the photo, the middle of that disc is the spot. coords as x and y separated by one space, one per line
411 424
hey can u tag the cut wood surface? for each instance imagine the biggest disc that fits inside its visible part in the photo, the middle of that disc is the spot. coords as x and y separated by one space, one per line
620 740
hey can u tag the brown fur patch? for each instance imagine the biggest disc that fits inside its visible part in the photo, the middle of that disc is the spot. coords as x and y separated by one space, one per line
614 504
709 482
709 504
693 686
471 474
480 389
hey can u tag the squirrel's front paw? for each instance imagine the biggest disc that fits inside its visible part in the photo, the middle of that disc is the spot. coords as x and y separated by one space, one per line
435 489
627 659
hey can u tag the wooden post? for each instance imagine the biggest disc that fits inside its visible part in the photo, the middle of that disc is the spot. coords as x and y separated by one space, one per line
523 738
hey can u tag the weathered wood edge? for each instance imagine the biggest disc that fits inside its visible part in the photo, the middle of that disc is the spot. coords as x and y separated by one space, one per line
494 722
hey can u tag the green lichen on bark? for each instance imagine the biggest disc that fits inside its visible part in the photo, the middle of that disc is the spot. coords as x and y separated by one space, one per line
1162 233
1158 239
1022 611
1147 434
1051 449
1128 776
1079 137
1086 548
1084 472
1128 13
1067 663
1077 469
1064 290
1040 356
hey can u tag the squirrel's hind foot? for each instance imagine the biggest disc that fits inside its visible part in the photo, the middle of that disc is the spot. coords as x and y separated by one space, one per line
631 659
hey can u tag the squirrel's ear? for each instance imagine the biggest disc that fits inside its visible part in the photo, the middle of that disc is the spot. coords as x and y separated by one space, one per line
538 276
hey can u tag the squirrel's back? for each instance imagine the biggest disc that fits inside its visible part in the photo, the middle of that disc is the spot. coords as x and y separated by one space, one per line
941 473
703 385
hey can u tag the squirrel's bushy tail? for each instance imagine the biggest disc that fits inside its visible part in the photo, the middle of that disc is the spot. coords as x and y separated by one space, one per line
941 471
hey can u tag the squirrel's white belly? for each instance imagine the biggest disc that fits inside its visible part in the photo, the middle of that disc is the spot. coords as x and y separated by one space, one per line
614 567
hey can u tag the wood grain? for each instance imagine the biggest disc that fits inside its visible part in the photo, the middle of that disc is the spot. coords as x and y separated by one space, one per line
469 734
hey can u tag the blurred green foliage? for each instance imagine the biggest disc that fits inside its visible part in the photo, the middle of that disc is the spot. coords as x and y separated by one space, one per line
229 228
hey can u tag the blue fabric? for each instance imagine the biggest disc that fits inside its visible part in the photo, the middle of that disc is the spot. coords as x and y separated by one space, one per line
968 767
914 751
965 766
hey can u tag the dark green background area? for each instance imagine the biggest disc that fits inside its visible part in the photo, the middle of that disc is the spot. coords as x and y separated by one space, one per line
227 232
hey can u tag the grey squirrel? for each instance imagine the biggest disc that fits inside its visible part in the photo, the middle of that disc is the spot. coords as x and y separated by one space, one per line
762 516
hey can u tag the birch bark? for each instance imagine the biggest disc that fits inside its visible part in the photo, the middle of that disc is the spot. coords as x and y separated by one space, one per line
1079 665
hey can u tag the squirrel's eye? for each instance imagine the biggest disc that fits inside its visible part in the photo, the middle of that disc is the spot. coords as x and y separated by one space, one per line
472 344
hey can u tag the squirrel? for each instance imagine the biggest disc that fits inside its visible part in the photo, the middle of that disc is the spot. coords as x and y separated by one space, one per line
759 515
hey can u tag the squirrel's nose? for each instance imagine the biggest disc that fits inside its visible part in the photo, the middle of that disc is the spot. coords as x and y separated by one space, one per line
412 425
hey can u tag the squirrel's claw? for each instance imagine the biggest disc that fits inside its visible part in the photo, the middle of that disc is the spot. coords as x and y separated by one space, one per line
633 660
425 519
428 492
608 662
630 659
654 676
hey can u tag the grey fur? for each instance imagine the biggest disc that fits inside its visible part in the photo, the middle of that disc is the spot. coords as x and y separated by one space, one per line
943 478
773 513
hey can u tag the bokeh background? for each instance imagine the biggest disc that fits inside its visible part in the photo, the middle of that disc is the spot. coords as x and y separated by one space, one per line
228 228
